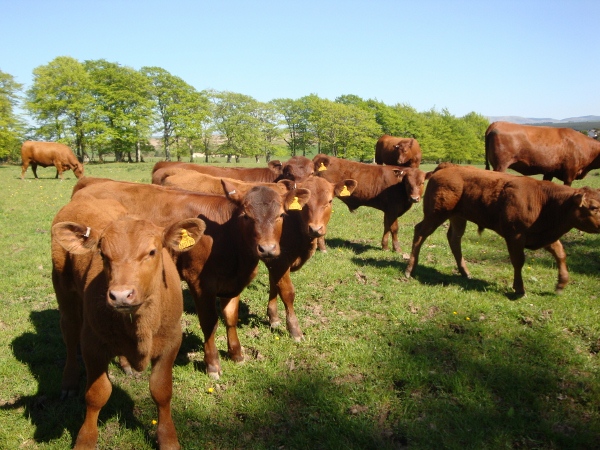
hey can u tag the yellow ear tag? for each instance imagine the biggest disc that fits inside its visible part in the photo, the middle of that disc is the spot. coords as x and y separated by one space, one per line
186 240
345 192
295 205
322 167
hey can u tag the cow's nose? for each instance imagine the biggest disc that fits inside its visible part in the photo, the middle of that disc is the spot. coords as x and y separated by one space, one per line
268 250
316 230
122 298
415 199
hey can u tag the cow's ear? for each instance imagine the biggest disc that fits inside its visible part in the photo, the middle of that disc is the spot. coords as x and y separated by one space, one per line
345 188
321 164
183 235
399 173
275 165
231 192
428 175
74 237
296 199
288 184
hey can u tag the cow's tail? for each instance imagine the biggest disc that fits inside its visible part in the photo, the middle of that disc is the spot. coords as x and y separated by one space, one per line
480 230
488 142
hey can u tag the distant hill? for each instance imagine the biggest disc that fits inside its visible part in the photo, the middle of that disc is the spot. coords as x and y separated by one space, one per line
539 121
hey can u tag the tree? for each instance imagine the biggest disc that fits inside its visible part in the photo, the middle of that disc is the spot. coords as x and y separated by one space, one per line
173 98
295 115
270 128
122 114
11 126
237 121
193 123
60 101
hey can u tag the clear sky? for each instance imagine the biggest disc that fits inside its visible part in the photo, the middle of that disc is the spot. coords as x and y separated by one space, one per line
531 58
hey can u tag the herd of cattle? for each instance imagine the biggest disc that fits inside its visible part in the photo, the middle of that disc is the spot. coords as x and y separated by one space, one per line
120 249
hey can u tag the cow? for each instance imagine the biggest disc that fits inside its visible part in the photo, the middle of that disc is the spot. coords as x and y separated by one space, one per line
301 228
390 189
395 151
526 212
264 174
561 153
119 294
241 230
46 154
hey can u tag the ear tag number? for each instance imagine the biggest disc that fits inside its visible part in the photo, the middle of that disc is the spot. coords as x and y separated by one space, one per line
186 240
295 205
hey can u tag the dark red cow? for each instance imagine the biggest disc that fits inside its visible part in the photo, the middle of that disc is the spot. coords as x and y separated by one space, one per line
395 151
301 228
240 231
526 212
46 154
390 189
265 174
561 153
119 293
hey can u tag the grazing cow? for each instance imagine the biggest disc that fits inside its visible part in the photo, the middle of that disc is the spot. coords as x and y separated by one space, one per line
264 174
395 151
562 153
48 154
526 212
119 294
301 228
390 189
240 231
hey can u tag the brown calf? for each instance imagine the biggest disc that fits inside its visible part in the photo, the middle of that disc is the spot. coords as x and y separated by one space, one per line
241 230
119 293
265 174
527 213
46 154
390 189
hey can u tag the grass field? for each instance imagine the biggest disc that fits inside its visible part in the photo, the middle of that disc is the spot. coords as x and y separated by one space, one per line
434 362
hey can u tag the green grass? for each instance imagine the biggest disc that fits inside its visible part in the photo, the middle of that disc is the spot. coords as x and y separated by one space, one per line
438 361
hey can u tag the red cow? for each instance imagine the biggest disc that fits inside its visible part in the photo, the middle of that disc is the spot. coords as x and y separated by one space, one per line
526 212
47 154
240 231
395 151
390 189
301 228
118 293
562 153
265 174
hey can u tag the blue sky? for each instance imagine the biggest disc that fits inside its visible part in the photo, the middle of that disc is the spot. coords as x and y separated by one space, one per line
516 57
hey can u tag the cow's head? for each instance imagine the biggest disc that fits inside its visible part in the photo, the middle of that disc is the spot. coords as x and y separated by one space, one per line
275 167
414 182
587 214
261 211
78 170
317 211
404 150
298 168
133 252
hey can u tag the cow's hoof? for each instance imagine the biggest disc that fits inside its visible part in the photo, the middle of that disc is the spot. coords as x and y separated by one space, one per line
276 324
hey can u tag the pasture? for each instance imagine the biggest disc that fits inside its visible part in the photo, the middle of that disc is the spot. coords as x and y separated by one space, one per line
438 361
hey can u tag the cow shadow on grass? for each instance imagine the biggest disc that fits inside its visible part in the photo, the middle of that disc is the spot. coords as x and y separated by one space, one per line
356 247
43 352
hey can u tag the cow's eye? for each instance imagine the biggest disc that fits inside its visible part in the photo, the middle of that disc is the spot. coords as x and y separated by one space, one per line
152 252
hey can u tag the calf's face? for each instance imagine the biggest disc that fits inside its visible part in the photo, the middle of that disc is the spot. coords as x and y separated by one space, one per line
414 182
588 210
132 254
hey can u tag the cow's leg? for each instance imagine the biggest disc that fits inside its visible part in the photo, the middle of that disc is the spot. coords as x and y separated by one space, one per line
206 309
230 308
70 327
97 393
390 226
422 230
282 284
454 235
548 177
24 167
161 389
516 251
321 244
557 250
34 169
59 171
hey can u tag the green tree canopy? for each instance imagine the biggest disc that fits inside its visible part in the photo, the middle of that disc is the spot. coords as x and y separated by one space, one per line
12 127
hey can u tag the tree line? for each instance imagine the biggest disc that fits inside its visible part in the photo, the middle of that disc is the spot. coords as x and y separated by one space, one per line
99 108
